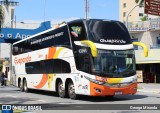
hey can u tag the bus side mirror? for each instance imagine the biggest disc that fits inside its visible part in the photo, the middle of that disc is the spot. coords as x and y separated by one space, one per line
145 48
92 47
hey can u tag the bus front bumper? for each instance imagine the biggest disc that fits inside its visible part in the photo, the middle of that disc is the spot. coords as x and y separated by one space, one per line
102 90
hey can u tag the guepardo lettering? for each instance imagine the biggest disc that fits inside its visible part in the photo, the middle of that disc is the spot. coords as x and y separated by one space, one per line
22 60
112 41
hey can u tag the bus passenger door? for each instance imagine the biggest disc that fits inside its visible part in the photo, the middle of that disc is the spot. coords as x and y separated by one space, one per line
83 64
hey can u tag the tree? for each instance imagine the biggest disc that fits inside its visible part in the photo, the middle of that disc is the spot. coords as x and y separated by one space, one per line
140 2
144 18
1 66
2 14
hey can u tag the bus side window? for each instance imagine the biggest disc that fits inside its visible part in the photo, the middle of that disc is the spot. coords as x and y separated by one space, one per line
83 63
48 66
77 32
15 51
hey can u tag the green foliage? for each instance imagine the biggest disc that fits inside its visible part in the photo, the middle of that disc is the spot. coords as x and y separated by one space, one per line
140 2
144 18
1 66
2 17
137 1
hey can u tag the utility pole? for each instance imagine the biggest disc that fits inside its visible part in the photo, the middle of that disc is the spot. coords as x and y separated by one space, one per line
130 12
87 8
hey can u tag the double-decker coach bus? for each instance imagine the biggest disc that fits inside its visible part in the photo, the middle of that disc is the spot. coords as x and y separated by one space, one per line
92 57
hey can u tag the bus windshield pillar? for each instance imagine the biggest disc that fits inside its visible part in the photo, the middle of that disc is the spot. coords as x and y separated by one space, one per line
92 47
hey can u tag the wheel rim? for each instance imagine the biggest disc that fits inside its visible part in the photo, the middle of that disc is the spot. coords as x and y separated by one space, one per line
71 90
21 86
61 89
25 86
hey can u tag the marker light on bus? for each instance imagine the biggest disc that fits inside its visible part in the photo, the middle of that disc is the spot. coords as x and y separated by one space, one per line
95 81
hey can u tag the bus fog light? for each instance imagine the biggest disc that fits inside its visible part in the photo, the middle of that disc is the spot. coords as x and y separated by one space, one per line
98 90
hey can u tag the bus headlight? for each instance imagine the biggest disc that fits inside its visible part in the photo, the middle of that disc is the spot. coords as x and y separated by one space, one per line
134 80
95 81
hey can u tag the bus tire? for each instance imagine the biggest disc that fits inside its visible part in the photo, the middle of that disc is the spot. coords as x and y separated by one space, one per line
25 87
109 96
21 86
71 90
61 90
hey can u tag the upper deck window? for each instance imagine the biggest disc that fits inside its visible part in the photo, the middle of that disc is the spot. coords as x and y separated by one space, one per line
108 32
77 31
57 37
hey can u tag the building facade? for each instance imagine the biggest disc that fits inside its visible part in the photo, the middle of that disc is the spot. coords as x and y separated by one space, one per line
12 31
130 11
146 31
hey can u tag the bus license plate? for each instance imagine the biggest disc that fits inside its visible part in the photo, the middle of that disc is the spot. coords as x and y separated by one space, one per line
118 93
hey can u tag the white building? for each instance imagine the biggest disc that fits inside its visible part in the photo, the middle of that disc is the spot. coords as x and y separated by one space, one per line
129 11
147 32
9 22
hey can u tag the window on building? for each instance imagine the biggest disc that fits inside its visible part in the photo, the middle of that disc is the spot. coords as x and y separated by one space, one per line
140 14
158 40
124 14
124 5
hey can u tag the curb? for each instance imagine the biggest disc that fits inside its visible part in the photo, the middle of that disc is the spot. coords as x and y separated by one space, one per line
149 91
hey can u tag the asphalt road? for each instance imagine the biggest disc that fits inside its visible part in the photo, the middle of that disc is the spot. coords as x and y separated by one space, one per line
51 102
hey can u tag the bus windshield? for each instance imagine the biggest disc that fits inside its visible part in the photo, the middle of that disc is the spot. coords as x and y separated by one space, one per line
114 63
108 32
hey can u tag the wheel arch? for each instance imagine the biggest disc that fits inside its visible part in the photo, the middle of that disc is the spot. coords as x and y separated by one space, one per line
19 82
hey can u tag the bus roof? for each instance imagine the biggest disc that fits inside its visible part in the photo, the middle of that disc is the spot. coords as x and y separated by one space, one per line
63 24
80 20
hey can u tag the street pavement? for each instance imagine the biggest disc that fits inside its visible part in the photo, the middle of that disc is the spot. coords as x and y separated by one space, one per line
147 93
149 87
142 87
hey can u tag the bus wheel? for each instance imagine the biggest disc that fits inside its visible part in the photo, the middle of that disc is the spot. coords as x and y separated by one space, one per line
21 86
25 86
61 90
71 91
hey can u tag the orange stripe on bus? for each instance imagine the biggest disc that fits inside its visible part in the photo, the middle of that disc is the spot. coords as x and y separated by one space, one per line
51 53
43 81
44 78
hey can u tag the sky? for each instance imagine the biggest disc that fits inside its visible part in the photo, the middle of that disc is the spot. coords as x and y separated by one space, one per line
62 10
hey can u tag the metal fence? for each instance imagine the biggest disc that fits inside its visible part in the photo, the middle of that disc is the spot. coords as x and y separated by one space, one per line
144 25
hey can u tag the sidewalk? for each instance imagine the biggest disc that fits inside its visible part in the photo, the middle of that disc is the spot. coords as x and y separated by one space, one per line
149 87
